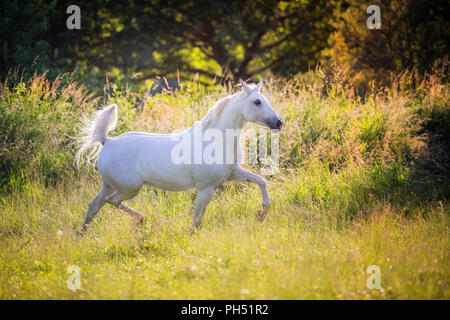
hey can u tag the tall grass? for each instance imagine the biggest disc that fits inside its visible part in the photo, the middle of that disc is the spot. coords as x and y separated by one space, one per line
362 181
37 118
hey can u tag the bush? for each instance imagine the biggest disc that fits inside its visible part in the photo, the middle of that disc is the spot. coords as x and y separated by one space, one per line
37 118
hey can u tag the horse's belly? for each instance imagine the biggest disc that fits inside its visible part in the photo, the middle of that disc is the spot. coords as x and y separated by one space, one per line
168 177
159 170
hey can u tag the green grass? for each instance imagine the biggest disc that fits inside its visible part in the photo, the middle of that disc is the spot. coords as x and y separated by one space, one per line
294 254
355 189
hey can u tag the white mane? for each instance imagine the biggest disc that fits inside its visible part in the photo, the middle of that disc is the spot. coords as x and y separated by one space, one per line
216 110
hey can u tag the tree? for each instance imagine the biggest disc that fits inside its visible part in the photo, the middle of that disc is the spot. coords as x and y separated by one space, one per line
221 40
23 36
413 34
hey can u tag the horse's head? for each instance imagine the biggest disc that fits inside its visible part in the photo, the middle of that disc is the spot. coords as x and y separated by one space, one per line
256 108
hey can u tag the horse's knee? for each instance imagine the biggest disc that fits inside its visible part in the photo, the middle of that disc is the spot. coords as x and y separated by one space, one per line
262 183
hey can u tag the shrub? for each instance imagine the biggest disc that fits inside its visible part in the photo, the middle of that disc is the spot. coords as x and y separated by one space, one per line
37 118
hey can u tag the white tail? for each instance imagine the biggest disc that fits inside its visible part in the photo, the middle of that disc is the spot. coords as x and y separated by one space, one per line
94 133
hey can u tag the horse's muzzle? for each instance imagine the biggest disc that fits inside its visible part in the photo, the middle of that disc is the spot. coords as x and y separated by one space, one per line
276 123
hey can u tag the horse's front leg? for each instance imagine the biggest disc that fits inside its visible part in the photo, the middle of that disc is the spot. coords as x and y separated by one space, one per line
201 202
240 174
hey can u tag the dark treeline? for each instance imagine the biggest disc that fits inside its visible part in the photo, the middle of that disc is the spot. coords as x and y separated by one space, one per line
221 40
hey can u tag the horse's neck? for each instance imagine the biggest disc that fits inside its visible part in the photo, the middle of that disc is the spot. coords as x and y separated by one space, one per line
229 119
229 122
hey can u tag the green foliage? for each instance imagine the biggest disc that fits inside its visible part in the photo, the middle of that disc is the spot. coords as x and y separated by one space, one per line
412 36
220 41
225 40
364 170
23 31
36 122
355 188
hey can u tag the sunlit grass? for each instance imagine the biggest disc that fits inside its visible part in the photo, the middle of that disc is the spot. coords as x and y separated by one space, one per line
295 254
355 189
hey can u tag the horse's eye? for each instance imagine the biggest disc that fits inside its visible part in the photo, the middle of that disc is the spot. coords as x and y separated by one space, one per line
257 102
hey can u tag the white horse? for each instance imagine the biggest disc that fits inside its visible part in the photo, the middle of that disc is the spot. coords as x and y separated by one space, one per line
129 161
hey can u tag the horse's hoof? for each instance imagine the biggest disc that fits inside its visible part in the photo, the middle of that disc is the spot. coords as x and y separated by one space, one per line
139 220
261 215
81 230
193 229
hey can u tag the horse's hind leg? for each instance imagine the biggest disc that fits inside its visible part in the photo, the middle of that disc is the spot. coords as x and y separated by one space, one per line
139 217
116 199
96 204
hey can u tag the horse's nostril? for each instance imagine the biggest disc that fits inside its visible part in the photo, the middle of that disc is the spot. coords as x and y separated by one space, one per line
279 124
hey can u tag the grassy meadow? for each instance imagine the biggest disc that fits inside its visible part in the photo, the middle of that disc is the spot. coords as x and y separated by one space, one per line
362 181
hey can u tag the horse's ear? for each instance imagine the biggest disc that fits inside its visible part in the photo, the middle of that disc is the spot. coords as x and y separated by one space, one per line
258 86
245 86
